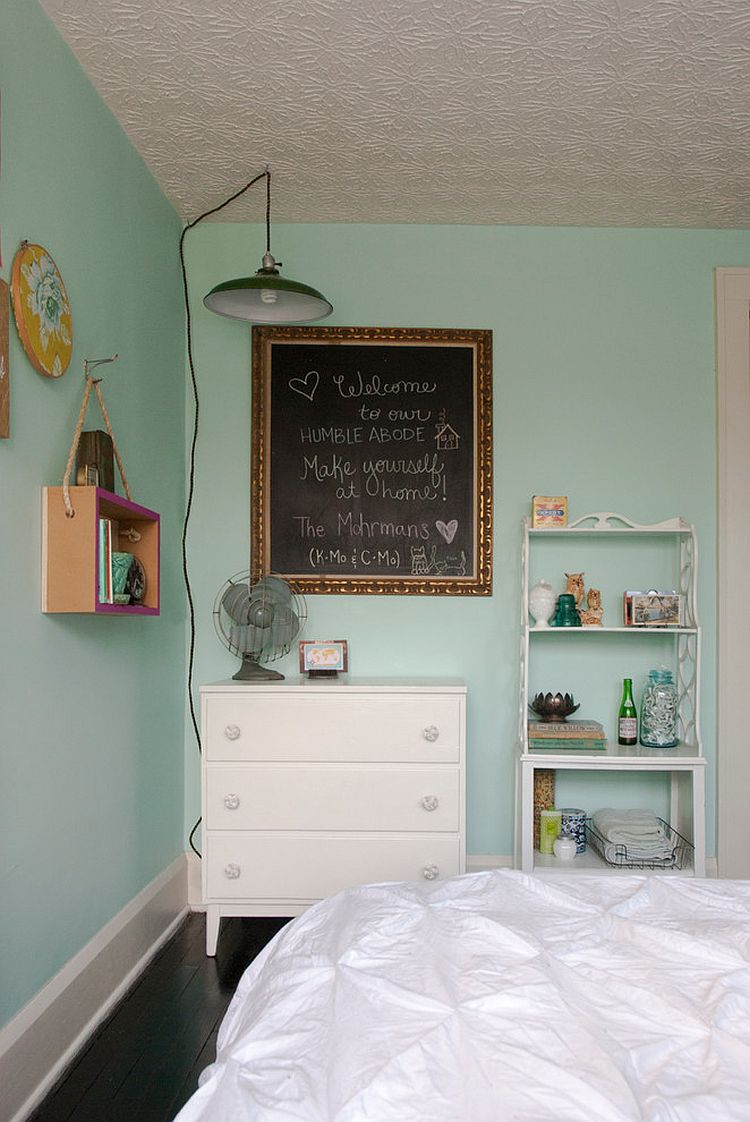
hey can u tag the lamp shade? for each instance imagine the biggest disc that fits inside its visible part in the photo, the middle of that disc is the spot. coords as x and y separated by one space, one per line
267 298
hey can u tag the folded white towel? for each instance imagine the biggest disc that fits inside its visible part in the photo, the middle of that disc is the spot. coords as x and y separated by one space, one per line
645 818
634 837
639 831
615 855
647 845
628 826
646 849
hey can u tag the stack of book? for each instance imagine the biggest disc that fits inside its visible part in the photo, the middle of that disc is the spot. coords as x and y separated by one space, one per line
108 540
566 736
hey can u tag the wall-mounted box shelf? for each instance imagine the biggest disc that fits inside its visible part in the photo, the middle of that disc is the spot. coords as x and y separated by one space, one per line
70 550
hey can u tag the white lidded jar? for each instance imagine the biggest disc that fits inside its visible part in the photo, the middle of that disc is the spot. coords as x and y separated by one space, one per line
564 847
542 603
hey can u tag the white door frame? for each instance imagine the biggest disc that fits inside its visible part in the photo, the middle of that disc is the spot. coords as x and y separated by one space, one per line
732 287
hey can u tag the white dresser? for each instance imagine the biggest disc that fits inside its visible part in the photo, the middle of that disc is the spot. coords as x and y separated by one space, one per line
313 785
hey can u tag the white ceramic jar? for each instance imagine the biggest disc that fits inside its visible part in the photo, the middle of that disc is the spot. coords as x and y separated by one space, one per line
564 847
542 603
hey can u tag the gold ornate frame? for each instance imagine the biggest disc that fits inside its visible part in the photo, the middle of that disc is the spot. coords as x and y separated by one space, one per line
479 582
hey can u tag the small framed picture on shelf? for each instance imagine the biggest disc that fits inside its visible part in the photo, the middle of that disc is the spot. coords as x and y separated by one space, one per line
323 658
653 609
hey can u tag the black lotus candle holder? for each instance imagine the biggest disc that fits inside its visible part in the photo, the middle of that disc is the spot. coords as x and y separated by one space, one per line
553 706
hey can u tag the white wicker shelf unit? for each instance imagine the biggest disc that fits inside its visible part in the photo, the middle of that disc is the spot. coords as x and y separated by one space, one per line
671 547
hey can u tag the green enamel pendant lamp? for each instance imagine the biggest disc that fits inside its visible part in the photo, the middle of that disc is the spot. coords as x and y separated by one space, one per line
267 297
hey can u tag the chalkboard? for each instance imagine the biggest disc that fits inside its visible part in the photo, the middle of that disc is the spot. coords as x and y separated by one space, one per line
372 459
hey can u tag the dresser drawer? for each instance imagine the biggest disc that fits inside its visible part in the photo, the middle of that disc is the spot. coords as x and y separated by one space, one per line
364 727
331 797
308 867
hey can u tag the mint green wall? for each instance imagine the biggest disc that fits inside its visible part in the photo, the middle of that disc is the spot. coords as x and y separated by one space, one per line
604 385
92 734
604 390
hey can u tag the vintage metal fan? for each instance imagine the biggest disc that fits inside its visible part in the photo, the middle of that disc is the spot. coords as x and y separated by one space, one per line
258 623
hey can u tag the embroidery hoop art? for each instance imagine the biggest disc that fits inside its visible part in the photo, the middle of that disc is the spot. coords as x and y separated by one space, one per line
4 362
48 348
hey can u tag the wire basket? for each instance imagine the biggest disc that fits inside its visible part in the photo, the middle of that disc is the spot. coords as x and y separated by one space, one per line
616 853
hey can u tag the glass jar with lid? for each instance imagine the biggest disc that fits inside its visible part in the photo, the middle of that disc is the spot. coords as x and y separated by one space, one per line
659 710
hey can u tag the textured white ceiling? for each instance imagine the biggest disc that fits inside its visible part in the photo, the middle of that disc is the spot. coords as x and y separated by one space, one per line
573 112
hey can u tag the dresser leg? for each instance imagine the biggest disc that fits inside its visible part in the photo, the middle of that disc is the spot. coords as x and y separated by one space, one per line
213 919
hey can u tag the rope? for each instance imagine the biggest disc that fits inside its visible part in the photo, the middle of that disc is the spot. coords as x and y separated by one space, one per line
114 442
76 437
91 383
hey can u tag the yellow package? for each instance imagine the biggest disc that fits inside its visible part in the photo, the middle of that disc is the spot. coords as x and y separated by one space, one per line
549 510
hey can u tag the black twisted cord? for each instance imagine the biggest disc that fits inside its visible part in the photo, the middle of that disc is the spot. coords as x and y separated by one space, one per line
194 441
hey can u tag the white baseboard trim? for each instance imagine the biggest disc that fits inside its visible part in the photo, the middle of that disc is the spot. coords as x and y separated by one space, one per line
480 862
43 1038
194 882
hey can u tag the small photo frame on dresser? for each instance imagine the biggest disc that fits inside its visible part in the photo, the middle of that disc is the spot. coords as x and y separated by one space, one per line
323 658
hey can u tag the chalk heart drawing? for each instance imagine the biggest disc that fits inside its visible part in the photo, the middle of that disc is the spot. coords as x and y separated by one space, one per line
307 385
447 529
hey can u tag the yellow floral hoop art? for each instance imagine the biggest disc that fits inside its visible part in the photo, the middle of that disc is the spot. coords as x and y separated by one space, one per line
42 310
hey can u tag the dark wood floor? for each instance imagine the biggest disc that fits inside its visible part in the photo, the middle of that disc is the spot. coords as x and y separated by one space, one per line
143 1063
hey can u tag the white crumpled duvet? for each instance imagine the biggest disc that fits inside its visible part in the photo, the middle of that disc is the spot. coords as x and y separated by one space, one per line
495 996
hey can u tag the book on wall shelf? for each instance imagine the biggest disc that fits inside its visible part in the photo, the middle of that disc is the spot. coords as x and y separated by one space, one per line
566 736
559 730
568 744
108 534
102 562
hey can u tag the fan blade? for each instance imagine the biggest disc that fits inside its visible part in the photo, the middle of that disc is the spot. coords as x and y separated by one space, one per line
246 639
284 628
276 588
236 603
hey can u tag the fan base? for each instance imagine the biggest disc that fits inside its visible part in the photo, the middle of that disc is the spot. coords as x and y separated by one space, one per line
252 671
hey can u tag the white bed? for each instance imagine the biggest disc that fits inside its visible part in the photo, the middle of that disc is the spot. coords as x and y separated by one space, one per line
495 996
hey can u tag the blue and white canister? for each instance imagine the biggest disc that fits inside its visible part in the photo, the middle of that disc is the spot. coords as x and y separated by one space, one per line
573 825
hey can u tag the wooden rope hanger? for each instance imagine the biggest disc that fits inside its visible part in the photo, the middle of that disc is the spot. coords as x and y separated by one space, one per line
91 383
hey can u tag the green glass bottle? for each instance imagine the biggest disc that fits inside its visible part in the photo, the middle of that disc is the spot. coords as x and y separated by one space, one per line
627 717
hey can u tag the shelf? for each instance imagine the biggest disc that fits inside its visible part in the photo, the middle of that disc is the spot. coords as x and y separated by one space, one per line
620 757
613 630
601 523
591 862
559 531
70 550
